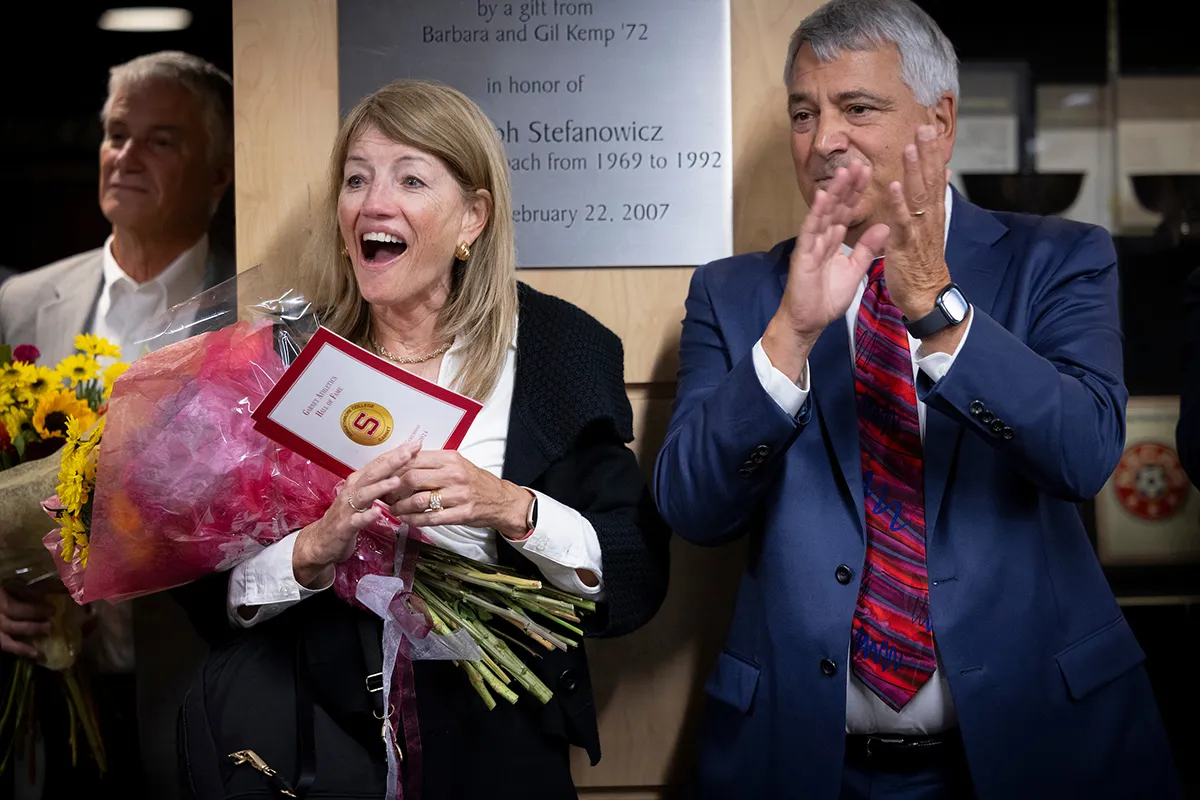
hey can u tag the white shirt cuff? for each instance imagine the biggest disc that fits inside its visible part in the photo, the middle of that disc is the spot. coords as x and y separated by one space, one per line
936 365
266 583
563 542
787 395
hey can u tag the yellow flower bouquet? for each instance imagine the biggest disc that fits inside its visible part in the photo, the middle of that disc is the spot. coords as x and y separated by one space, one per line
51 419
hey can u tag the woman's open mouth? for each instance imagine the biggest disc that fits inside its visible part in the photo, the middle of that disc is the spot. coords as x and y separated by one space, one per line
379 248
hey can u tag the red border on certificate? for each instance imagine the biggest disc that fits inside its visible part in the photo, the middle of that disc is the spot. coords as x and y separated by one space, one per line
273 430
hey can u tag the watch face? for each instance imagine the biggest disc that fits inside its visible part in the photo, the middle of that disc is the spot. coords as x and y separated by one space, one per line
955 305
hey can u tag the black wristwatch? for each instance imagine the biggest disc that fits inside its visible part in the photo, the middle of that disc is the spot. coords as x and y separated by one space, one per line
950 309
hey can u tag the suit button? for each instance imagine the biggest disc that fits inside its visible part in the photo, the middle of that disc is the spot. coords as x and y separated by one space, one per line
987 417
843 574
567 681
1008 433
745 472
997 426
757 459
763 450
976 408
828 667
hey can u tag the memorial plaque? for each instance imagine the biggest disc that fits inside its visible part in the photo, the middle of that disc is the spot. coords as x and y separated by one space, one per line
615 114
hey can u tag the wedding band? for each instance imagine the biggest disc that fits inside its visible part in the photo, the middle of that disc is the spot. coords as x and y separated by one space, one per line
435 501
917 213
350 501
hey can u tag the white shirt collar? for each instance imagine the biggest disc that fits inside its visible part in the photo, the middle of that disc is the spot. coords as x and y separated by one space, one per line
182 279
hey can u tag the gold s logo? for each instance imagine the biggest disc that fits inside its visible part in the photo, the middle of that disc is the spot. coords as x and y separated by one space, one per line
367 424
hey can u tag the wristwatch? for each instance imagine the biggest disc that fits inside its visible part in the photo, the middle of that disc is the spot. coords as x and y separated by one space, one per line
949 309
531 517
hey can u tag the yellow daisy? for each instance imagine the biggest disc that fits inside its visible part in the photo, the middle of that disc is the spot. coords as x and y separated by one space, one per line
13 420
78 368
50 418
73 536
17 376
86 445
88 469
111 373
10 372
43 380
96 346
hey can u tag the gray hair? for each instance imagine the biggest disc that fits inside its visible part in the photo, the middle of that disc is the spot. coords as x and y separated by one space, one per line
210 86
929 65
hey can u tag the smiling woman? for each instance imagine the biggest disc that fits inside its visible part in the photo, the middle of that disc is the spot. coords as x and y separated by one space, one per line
415 259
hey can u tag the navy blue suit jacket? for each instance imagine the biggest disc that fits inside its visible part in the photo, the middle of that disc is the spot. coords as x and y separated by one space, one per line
1044 671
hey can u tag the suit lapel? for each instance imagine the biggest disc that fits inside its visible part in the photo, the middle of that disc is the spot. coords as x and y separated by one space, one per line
831 378
65 313
978 255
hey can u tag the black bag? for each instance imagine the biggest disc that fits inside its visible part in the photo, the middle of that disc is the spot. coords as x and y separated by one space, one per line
267 719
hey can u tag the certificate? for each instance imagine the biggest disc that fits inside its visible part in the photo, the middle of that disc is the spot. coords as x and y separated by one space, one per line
340 406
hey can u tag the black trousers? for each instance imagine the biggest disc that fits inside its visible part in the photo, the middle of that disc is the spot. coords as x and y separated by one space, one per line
470 752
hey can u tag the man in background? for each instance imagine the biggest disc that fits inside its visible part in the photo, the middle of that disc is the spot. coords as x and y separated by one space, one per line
166 161
1187 434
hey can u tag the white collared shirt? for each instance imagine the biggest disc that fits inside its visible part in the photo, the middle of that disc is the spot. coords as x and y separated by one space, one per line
931 710
125 306
563 542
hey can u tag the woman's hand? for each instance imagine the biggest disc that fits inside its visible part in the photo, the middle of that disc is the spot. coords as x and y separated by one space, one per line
329 541
469 495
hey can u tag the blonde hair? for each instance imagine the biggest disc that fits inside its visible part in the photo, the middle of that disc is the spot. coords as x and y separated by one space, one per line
481 310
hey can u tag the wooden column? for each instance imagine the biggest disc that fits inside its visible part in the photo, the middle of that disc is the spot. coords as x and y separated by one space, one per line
285 101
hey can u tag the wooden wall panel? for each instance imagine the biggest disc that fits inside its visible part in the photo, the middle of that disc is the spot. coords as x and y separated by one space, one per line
648 684
285 118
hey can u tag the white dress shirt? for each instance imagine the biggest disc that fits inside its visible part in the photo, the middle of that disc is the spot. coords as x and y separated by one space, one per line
931 710
124 306
562 543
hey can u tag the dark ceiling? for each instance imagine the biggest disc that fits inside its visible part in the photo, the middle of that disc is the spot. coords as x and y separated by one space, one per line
56 63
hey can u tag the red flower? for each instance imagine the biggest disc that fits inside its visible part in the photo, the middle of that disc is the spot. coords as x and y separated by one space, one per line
5 441
27 353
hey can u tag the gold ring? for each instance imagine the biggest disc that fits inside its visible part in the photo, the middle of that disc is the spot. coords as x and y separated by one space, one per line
435 501
350 501
917 213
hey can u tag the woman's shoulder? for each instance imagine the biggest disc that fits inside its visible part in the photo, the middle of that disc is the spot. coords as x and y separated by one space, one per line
570 368
544 316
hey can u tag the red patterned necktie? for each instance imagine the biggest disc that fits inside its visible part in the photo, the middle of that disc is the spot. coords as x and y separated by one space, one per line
892 636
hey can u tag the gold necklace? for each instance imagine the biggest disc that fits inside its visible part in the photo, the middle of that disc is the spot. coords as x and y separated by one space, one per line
383 351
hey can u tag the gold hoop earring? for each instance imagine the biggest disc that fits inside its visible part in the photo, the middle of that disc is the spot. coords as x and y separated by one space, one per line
463 251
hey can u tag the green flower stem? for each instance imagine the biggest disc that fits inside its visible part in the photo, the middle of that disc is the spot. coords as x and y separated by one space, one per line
478 683
494 667
493 682
579 602
513 640
450 573
558 607
87 715
488 642
553 618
